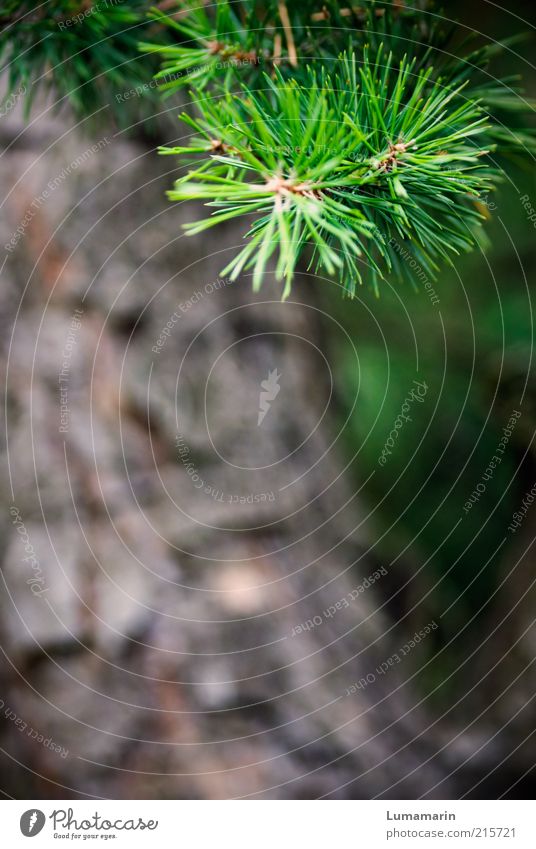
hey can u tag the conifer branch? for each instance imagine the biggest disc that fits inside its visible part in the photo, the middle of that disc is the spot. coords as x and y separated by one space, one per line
348 163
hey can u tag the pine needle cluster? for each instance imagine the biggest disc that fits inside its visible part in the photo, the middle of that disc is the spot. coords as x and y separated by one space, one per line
313 124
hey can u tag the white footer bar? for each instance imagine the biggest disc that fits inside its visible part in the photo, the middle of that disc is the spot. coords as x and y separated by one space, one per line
269 824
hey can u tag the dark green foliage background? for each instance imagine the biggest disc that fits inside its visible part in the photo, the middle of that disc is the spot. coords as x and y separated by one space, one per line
475 385
85 62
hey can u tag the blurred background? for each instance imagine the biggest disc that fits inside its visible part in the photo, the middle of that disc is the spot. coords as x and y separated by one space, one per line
475 348
197 606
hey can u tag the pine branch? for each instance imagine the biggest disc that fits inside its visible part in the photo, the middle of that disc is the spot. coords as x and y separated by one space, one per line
352 168
344 164
250 36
